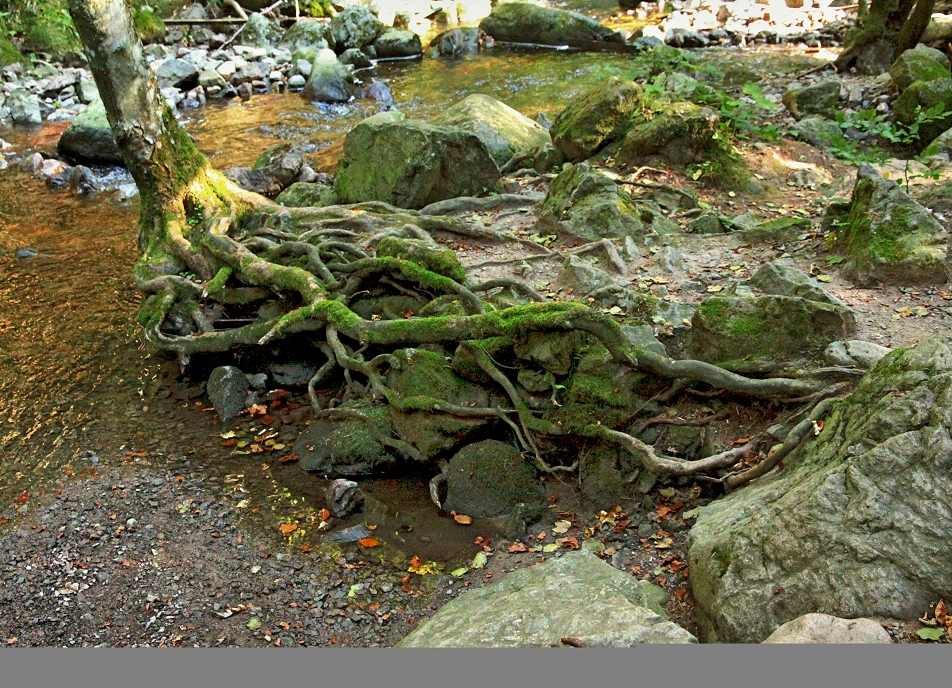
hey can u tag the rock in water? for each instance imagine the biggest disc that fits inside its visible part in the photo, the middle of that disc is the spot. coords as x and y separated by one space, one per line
330 81
88 138
812 629
489 478
355 27
857 524
522 22
576 595
228 391
343 497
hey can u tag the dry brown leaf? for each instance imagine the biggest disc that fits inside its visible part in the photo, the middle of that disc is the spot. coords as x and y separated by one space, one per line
517 547
324 514
463 519
368 542
287 528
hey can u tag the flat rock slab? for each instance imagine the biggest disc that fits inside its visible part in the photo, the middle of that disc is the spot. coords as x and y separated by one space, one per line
815 629
577 596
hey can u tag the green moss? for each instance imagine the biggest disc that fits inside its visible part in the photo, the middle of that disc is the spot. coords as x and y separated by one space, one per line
148 25
441 261
217 283
45 27
8 54
722 556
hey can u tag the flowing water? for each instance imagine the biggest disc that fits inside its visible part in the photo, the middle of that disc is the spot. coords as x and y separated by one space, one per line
76 385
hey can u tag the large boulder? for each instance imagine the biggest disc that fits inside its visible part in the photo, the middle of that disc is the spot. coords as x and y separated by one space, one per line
307 195
918 97
305 34
260 31
398 43
25 108
455 43
411 164
521 22
814 629
88 138
330 81
776 277
227 390
176 73
276 168
505 131
818 99
490 478
738 330
355 27
595 118
922 63
587 204
857 524
887 236
573 596
681 133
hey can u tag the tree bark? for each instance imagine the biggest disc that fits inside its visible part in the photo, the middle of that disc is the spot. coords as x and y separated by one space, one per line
891 27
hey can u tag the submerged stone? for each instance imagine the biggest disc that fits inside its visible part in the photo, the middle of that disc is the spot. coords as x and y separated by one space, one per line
398 43
855 525
89 138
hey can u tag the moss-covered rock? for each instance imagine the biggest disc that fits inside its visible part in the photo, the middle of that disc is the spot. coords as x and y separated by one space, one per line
921 63
920 96
455 43
88 138
850 526
148 25
818 99
679 134
778 278
355 27
581 277
411 164
505 131
260 31
887 236
817 130
521 22
422 380
737 331
307 195
490 478
348 447
587 204
398 43
305 34
330 81
442 261
595 118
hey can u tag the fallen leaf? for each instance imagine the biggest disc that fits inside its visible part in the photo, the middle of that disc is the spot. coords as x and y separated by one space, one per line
287 528
267 420
714 288
680 594
480 560
289 458
824 278
570 542
254 625
462 519
561 526
459 572
229 443
930 633
941 614
516 547
368 542
551 547
324 514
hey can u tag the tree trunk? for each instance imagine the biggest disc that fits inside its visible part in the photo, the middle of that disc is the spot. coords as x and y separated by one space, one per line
214 255
889 28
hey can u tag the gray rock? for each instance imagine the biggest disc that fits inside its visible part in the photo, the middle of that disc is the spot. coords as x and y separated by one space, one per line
305 34
489 478
397 43
352 534
522 22
343 497
291 373
819 99
89 138
209 78
813 629
355 27
260 31
587 204
817 131
228 391
25 108
271 176
735 329
921 63
682 38
356 58
856 525
581 276
330 81
576 595
783 280
87 91
887 236
855 353
176 73
708 222
296 82
505 131
455 43
642 337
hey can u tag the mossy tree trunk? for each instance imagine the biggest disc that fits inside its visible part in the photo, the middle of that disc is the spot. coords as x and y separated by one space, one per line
887 29
214 254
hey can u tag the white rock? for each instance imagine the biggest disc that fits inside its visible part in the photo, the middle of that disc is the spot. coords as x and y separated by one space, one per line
816 629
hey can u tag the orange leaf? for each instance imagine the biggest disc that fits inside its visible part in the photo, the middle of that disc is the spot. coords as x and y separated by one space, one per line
463 520
664 511
680 594
324 514
368 542
941 614
267 420
415 561
741 440
305 548
570 542
287 528
517 547
289 458
230 443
